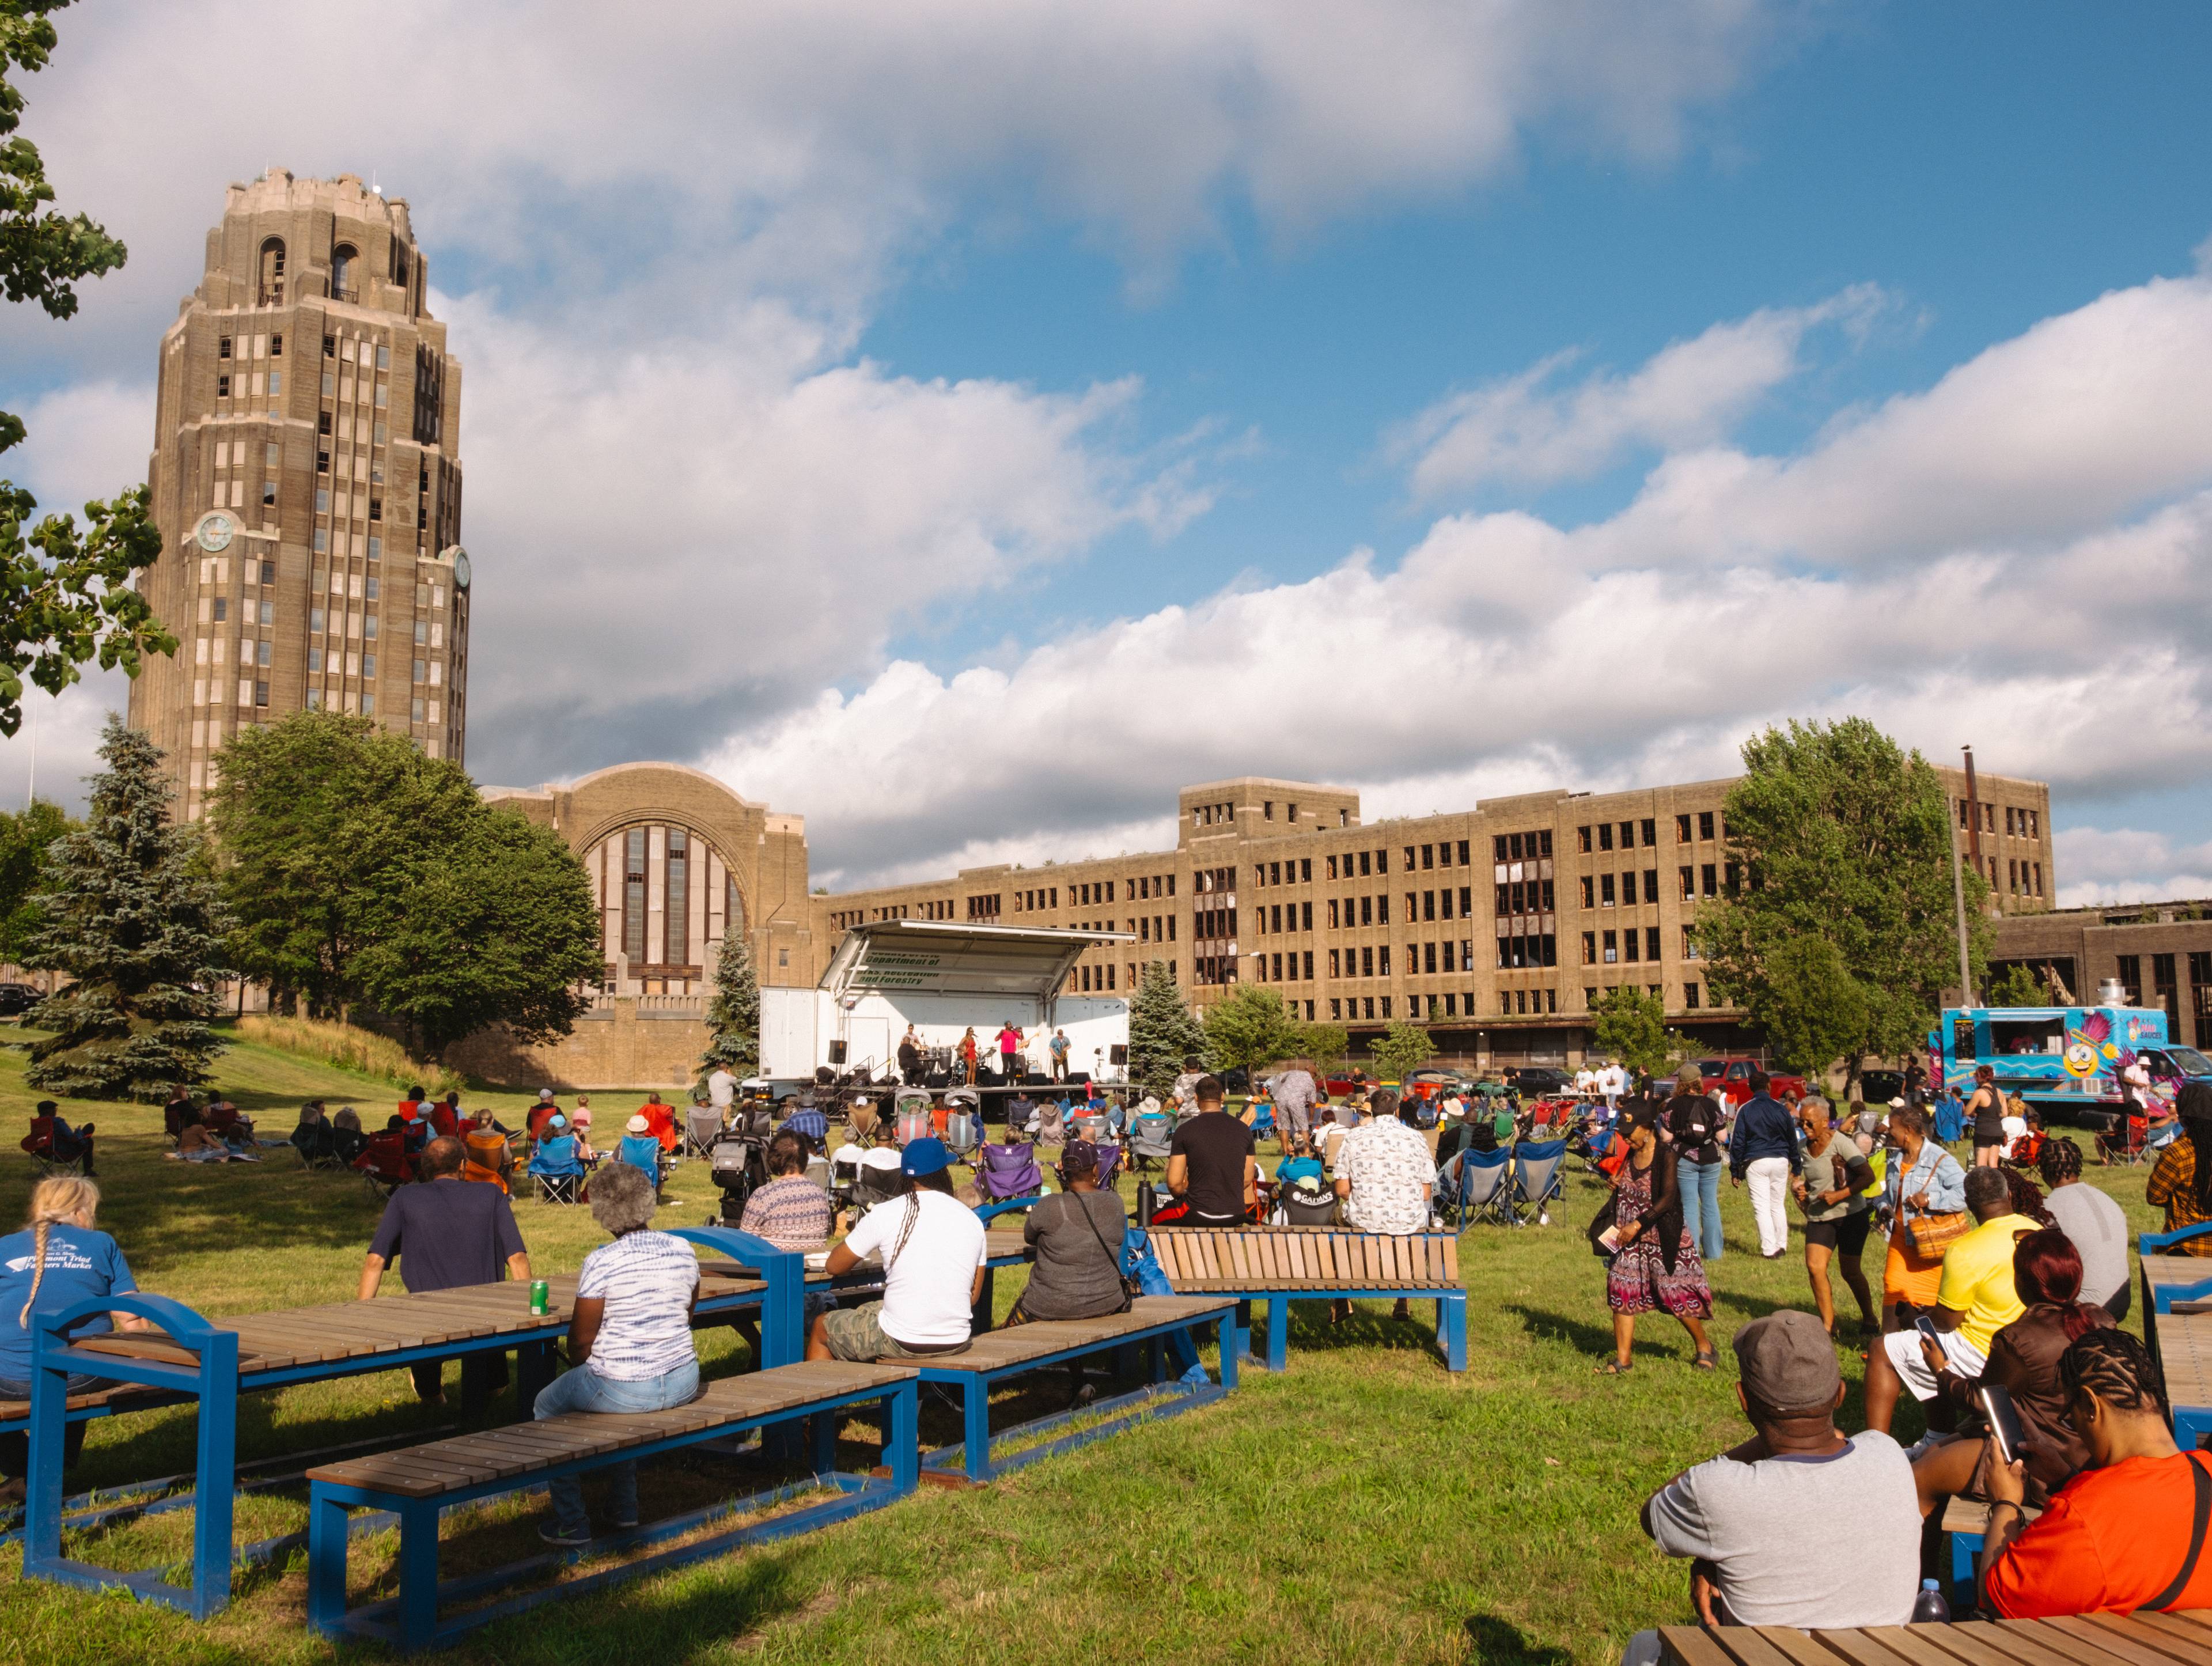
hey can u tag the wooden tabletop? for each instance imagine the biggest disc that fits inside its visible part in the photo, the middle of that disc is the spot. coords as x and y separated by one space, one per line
2094 1639
1304 1258
2168 1270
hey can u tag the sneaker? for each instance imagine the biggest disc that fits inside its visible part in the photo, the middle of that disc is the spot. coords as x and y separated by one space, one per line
554 1534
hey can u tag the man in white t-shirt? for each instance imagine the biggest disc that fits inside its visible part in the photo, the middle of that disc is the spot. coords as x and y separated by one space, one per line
721 1090
1613 1082
933 1250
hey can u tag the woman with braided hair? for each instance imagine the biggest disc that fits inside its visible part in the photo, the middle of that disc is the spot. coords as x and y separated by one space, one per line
56 1260
2127 1533
934 1253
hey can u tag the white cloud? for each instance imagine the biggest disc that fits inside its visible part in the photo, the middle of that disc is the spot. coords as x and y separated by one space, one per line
1504 653
1524 430
2101 865
87 440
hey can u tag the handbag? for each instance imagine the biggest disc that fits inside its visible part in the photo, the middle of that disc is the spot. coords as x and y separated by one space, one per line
1930 1235
1131 1287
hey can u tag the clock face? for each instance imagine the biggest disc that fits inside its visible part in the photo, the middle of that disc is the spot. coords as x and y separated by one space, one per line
461 570
214 532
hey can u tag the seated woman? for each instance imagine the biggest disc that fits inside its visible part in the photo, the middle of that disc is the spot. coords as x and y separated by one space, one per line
313 1137
934 1253
490 1159
640 1148
557 1154
59 1257
55 1140
346 1137
198 1143
1076 1236
630 1339
2024 1355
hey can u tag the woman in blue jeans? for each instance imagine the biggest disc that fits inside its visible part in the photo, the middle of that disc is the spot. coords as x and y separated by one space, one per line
1693 1125
630 1339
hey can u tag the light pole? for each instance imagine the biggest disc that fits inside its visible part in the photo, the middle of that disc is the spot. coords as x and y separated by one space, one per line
1959 899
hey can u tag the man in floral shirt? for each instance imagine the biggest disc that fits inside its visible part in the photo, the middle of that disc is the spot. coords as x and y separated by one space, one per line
1384 1176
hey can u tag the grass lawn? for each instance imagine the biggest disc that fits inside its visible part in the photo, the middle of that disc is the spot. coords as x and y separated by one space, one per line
1365 1505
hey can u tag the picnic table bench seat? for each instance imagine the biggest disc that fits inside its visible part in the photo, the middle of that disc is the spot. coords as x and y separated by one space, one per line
998 1355
417 1483
2176 1289
2183 1639
1282 1264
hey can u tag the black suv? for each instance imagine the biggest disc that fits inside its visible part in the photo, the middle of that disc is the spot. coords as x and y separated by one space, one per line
17 999
1530 1078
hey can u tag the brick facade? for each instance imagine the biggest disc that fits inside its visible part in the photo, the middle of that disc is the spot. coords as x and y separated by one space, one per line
2160 952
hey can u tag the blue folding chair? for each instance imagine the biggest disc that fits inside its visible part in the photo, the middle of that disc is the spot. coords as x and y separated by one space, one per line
1536 1179
1481 1187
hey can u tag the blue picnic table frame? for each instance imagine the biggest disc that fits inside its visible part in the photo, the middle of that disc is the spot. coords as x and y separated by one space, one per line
1451 1320
2191 1422
215 1381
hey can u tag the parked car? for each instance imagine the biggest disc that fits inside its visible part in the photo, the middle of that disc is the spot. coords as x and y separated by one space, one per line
17 999
1531 1080
1729 1080
1879 1087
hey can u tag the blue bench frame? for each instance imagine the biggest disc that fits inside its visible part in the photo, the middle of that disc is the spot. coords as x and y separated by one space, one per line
2191 1423
974 1459
216 1382
409 1621
1452 1319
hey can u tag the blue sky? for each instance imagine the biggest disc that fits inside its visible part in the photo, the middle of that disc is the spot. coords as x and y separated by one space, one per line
975 421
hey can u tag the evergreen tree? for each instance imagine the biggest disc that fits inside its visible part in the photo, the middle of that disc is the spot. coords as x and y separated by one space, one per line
131 914
1161 1031
733 1014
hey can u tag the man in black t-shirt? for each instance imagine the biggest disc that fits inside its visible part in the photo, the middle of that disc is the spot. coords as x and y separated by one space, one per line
1210 1161
445 1233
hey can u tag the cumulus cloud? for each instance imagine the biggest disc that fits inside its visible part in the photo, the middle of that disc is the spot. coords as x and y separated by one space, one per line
1504 653
1526 431
2120 865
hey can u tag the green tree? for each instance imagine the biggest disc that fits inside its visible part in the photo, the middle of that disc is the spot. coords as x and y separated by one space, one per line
2016 986
497 927
132 914
25 838
362 871
733 1013
1326 1044
1161 1031
1402 1049
1837 834
65 595
1252 1028
1632 1027
1819 1009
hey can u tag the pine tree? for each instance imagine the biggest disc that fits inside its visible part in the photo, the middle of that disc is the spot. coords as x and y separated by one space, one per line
1161 1031
733 1014
132 914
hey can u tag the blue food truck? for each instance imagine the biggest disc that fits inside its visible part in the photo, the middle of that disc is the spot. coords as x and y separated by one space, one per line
2065 1060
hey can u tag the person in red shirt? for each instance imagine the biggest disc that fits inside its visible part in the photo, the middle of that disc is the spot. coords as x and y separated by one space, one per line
661 1121
543 1112
2127 1533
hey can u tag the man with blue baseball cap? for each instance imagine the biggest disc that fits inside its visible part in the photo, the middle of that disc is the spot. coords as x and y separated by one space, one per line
933 1250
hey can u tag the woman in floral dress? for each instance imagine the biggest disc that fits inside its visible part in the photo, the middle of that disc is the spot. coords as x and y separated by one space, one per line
1654 1266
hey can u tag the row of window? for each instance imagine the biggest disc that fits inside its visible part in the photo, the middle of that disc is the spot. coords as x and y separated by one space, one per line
1293 872
1608 948
2020 821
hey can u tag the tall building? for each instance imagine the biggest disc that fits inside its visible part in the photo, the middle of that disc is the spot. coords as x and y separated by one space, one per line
1496 927
307 484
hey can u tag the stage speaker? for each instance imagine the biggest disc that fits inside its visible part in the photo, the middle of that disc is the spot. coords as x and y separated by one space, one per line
1079 1079
836 1052
936 1078
1118 1053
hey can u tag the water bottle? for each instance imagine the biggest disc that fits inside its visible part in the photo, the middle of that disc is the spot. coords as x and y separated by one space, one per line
1930 1608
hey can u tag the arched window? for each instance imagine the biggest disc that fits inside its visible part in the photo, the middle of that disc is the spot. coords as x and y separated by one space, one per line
272 271
342 260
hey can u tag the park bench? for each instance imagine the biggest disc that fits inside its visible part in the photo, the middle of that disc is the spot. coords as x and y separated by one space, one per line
2089 1639
1280 1265
417 1484
2177 1292
998 1355
1965 1525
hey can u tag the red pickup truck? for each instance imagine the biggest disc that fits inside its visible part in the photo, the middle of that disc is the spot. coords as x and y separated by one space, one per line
1729 1080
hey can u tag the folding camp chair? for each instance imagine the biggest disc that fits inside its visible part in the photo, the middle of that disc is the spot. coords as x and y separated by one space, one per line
385 1164
1484 1187
1109 1162
1009 1171
1536 1179
1149 1139
703 1124
1300 1209
564 1187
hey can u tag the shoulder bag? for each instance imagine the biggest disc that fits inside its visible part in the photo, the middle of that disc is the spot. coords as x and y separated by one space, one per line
1131 1288
2203 1485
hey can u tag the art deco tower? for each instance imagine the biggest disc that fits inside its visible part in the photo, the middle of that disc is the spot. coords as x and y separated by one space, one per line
306 483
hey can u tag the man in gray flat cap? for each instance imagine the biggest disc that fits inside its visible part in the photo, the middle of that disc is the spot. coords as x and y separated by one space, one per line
1758 1518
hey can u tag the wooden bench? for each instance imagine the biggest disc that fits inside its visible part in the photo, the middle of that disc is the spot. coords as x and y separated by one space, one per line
1000 1354
416 1484
1280 1265
1965 1525
2089 1639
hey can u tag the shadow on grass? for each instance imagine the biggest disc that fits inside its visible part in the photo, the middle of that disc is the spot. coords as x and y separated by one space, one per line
1596 1339
1492 1641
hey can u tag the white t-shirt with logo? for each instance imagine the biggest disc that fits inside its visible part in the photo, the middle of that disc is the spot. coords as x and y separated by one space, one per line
925 1285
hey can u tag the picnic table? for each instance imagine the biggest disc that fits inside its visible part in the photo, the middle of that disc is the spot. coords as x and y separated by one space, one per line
2089 1639
2177 1327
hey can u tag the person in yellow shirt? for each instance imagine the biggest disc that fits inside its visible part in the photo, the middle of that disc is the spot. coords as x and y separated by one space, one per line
1974 1302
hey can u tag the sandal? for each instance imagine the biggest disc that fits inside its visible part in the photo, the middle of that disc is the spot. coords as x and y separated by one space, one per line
1613 1368
1706 1359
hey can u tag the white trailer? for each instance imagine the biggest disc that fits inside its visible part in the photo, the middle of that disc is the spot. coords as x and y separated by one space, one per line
944 979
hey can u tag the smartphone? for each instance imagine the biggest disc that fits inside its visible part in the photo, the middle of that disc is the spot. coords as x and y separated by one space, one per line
1926 1327
2004 1421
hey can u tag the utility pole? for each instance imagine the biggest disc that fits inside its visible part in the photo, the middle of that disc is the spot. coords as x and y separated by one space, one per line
1959 892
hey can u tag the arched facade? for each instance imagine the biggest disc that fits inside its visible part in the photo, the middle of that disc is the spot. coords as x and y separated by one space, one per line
667 897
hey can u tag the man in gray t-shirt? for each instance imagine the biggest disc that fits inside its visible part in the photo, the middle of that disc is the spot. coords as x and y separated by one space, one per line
1761 1518
2097 1224
1295 1092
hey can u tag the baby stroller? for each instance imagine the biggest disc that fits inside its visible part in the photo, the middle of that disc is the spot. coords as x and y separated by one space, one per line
385 1164
913 1121
1009 1171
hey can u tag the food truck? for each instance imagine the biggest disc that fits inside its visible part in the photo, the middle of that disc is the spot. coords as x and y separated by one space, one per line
2067 1061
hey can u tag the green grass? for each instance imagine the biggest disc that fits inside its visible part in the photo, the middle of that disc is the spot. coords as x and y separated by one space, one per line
1366 1505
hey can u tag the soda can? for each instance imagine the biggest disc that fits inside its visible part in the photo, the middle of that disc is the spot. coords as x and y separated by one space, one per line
541 1296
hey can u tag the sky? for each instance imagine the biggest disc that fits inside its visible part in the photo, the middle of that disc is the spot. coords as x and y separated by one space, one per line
964 422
